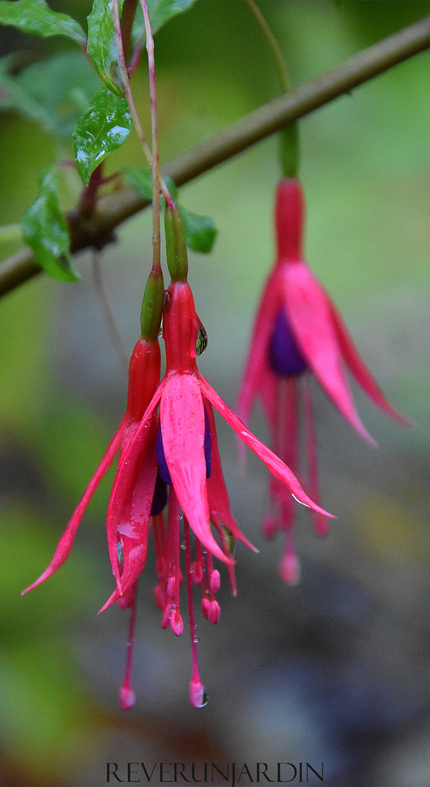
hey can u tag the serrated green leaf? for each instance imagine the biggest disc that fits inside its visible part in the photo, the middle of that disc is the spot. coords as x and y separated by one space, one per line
54 92
200 231
104 128
35 16
160 11
101 47
45 230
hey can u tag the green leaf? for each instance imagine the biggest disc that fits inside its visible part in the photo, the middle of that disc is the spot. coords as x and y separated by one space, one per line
160 11
104 128
140 180
101 48
54 92
35 16
45 230
200 231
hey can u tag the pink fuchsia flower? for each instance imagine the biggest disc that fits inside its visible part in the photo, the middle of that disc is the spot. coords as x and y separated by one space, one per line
136 497
189 462
298 332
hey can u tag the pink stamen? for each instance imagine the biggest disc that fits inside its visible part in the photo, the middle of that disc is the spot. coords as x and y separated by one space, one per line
289 569
174 571
321 524
230 566
197 692
127 696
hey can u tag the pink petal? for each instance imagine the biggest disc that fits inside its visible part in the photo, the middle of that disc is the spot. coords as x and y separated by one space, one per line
219 503
130 505
183 429
272 462
66 541
257 364
311 320
360 370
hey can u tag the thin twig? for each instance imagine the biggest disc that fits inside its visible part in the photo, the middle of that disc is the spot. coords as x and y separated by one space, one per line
273 43
108 315
115 208
156 258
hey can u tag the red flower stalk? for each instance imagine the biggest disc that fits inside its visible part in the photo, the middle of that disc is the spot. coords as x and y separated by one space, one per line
297 332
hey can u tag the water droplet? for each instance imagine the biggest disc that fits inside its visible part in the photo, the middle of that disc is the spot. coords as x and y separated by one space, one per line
202 341
196 639
182 544
204 700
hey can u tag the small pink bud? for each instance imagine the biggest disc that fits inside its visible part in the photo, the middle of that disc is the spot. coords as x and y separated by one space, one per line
215 581
214 612
289 569
197 572
127 599
171 587
270 528
198 696
205 604
177 623
166 616
160 597
127 697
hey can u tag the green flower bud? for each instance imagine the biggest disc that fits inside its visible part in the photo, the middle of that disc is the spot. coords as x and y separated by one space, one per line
152 307
176 247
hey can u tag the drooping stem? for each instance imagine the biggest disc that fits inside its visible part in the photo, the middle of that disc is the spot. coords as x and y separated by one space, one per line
127 696
127 19
156 260
115 208
126 84
108 315
271 38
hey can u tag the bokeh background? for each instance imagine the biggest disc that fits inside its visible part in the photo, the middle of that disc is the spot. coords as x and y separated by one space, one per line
336 669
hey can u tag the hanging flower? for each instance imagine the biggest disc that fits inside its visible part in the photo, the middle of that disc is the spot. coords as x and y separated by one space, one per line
297 333
136 495
188 462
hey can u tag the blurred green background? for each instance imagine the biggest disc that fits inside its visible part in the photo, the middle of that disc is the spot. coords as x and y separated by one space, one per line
335 670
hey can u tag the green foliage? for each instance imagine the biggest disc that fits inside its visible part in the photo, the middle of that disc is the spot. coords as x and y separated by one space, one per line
200 231
35 16
53 92
45 230
160 11
101 47
102 129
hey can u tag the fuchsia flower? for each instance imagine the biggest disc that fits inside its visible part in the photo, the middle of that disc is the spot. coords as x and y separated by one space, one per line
297 332
189 463
177 448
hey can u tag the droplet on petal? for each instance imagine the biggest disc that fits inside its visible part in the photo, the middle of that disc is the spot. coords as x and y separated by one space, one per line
285 357
202 341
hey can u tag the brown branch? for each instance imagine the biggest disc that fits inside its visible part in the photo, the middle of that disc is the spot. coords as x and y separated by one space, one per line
118 206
